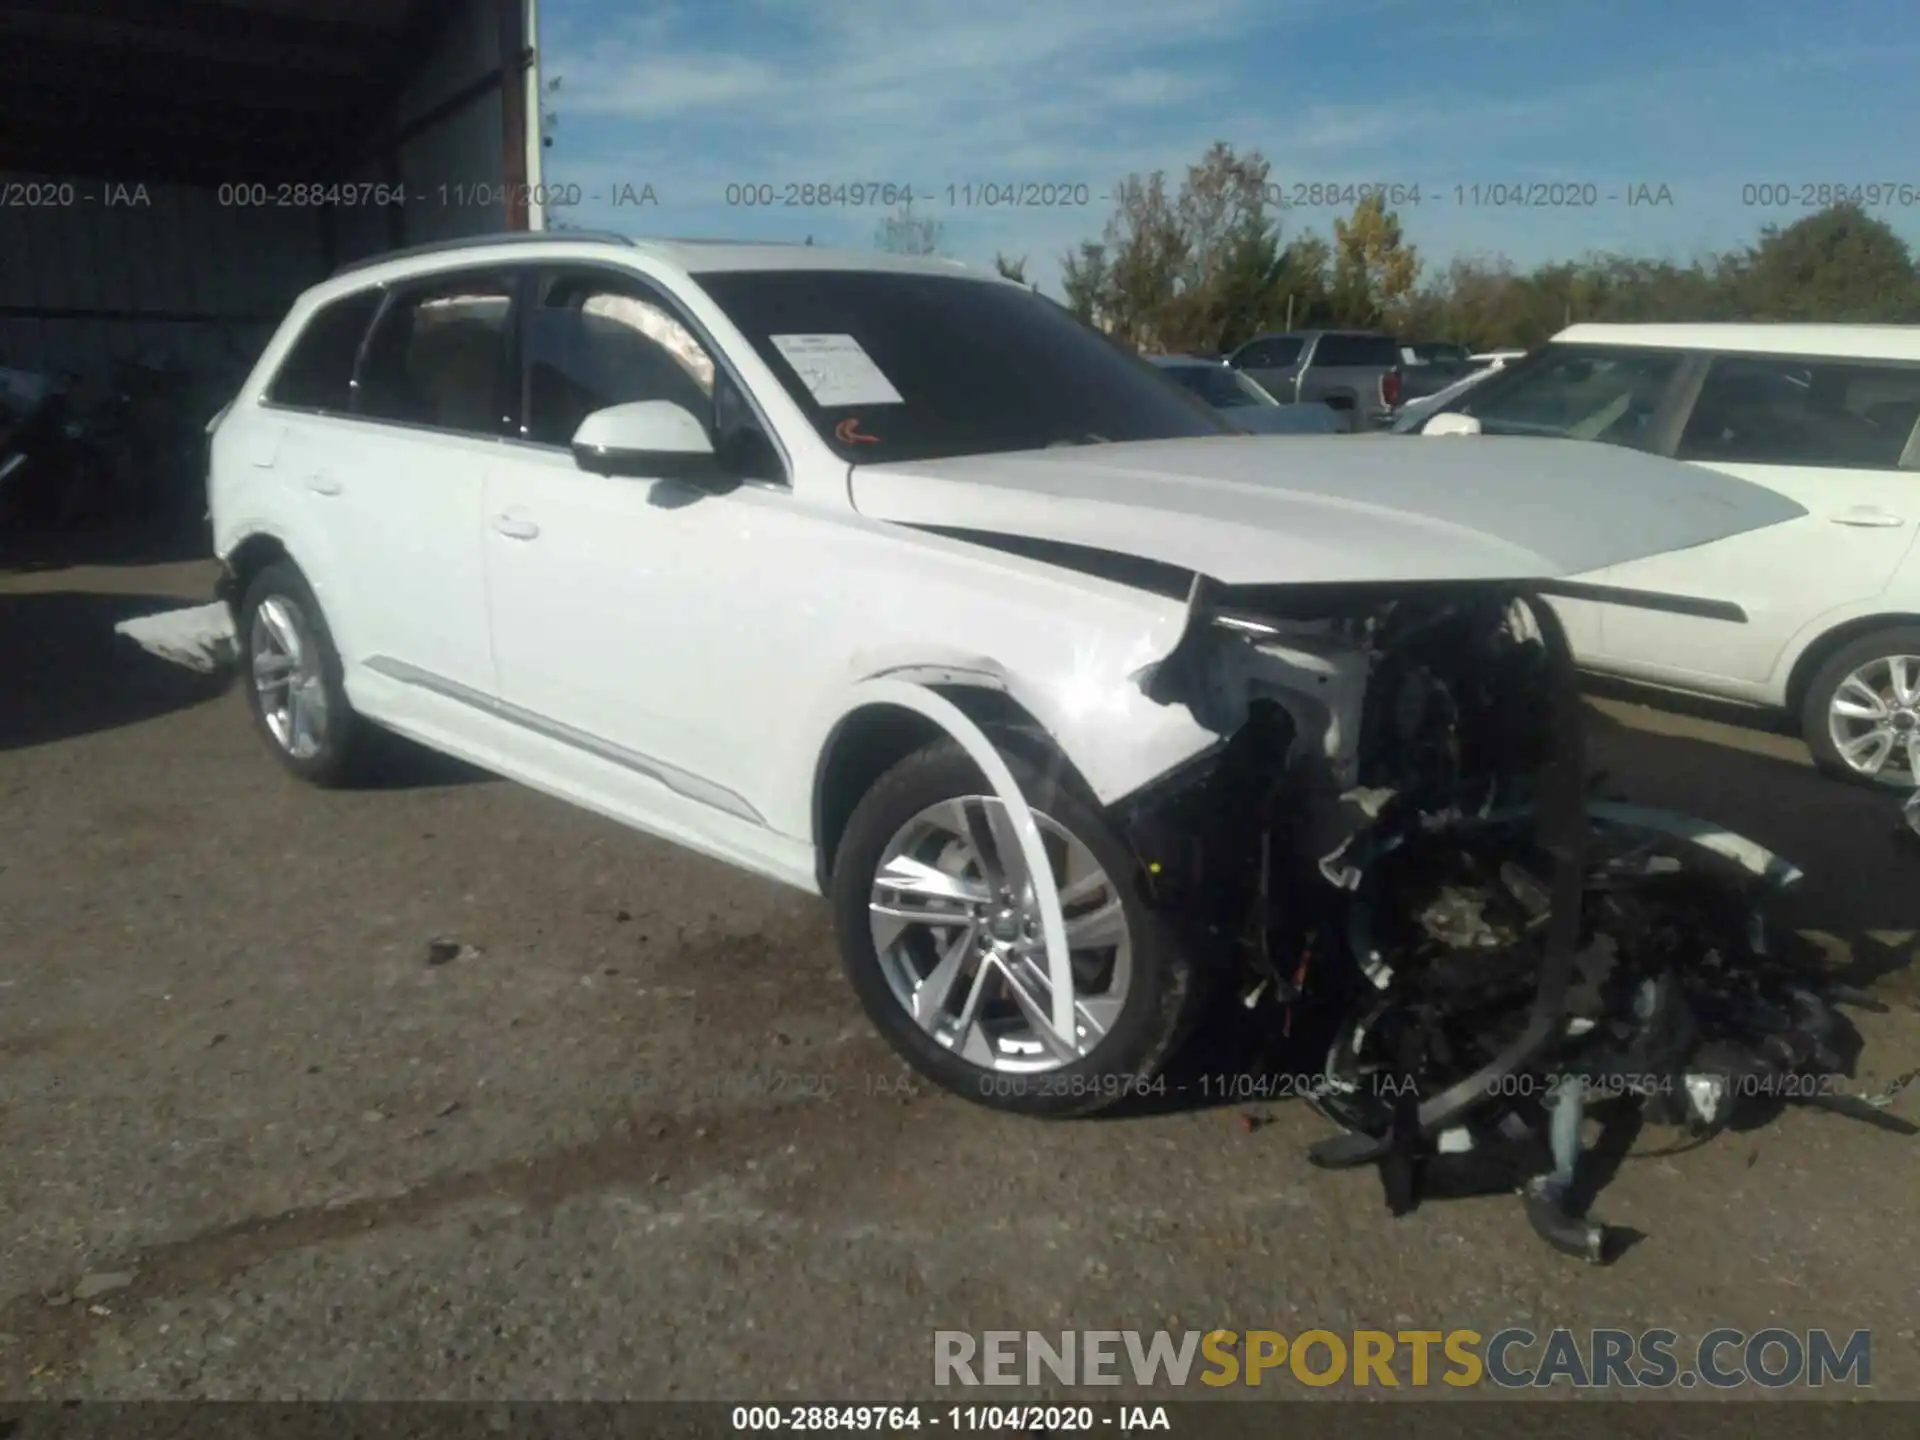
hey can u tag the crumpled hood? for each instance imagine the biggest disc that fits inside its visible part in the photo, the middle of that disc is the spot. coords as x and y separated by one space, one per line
1311 509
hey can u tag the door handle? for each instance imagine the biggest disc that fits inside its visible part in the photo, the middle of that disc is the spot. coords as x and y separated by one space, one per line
323 485
514 529
1868 519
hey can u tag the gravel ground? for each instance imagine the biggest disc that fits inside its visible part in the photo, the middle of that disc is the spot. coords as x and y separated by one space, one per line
634 1139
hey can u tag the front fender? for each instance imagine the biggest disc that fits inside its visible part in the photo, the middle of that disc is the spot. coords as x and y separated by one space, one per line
1096 715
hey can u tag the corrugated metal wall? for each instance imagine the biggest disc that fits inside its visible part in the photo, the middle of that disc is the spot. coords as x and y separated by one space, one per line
164 274
183 279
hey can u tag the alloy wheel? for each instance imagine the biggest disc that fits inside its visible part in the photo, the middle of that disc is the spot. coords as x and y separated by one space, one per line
287 677
1874 718
957 931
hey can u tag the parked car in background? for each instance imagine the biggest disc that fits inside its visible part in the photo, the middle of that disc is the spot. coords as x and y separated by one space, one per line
1356 372
1241 401
1820 617
1430 366
1412 414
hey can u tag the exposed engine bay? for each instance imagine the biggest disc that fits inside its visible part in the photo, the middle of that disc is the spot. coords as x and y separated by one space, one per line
1393 850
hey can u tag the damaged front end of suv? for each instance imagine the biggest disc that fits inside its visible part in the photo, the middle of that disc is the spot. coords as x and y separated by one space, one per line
1393 846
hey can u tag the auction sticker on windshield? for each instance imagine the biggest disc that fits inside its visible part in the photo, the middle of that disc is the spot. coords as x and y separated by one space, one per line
836 370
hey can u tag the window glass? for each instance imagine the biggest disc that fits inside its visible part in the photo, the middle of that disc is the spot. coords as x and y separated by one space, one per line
1220 387
592 344
1576 393
438 357
1369 351
318 371
908 366
1273 354
1788 411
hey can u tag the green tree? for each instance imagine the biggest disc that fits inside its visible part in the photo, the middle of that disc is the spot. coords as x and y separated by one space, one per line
1839 264
1374 268
1085 278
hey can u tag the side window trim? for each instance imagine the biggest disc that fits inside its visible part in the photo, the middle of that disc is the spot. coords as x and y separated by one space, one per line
266 399
387 293
1675 408
647 290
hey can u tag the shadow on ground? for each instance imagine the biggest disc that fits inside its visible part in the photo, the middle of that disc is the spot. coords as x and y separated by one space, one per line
66 674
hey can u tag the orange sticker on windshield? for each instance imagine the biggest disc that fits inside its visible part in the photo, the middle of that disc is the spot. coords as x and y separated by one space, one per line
847 432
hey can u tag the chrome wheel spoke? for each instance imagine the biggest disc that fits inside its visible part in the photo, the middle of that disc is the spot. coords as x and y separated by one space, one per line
930 998
905 876
956 932
966 1036
1098 929
1904 673
282 627
1913 758
1868 753
1037 1010
935 897
1858 700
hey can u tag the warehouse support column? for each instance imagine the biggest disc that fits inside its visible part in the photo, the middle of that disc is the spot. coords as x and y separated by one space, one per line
516 57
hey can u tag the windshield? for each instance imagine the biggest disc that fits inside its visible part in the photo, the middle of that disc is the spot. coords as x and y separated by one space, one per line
1220 387
895 366
1575 393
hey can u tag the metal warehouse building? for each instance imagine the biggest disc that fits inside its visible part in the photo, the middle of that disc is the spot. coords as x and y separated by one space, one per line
174 172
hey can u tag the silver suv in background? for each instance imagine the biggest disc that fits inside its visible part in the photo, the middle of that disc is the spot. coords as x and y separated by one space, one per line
1356 372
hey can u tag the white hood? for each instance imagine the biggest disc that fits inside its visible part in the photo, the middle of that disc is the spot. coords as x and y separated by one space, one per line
1313 509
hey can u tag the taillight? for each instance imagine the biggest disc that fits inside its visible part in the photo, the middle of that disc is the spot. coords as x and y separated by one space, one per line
1390 388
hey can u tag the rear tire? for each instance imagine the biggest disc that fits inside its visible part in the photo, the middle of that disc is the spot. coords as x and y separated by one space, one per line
1858 675
1149 999
291 671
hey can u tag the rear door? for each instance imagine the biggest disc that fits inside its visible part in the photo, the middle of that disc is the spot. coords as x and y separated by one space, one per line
405 479
1838 438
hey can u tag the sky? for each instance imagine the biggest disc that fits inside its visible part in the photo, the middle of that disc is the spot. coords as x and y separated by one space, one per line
1715 116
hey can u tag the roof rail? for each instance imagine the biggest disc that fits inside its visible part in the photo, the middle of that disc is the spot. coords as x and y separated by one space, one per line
475 242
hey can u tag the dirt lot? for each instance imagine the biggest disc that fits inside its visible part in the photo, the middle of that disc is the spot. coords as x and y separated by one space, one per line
230 1078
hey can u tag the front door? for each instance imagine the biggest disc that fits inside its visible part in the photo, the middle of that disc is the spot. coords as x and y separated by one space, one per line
632 616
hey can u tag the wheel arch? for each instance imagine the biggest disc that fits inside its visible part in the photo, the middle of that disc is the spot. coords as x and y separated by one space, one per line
1823 647
247 559
876 734
959 706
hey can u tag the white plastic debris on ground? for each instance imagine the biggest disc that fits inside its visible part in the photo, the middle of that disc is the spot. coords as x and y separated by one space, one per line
200 638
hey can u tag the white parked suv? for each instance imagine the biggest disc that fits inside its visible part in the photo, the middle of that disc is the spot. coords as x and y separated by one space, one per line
1827 416
889 579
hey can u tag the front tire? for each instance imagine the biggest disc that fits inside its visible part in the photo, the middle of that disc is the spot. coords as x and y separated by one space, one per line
1861 715
940 939
293 679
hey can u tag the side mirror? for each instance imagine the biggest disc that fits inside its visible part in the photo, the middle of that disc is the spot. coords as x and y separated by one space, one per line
1451 424
650 439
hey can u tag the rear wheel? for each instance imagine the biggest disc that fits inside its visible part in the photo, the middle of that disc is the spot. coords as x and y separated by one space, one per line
940 935
294 687
1861 716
